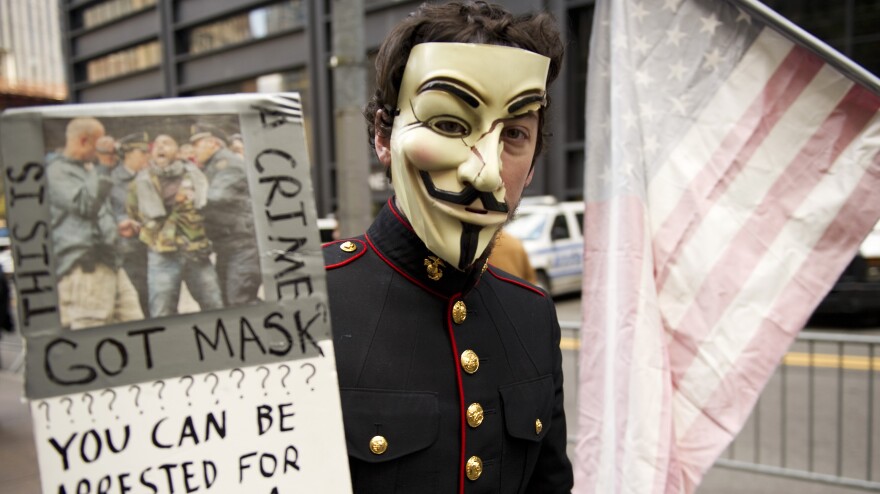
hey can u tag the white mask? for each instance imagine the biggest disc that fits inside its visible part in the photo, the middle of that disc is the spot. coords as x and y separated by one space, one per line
459 106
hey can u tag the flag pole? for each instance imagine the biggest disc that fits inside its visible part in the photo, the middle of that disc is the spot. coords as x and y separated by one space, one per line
798 35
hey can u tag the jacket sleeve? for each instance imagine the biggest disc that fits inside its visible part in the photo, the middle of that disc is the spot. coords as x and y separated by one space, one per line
131 203
83 198
553 473
228 187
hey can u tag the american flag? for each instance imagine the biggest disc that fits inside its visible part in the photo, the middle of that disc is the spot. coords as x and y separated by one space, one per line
731 175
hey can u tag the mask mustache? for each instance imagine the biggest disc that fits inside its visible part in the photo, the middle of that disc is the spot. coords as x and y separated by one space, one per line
464 198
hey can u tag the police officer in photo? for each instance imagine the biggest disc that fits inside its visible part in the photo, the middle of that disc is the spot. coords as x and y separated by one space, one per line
135 152
229 216
450 370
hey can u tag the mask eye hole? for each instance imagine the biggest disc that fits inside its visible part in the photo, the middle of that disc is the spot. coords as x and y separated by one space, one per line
449 126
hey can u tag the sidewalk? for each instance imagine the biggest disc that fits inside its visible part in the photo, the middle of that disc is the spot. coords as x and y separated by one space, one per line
18 457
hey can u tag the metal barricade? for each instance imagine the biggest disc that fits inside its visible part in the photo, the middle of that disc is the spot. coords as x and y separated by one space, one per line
816 419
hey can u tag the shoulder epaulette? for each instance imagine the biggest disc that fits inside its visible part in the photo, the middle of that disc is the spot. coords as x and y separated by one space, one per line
341 252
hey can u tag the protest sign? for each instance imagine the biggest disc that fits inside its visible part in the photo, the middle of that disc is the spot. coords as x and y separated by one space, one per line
171 286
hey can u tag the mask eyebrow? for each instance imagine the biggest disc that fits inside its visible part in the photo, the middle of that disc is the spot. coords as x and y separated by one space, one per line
526 101
453 89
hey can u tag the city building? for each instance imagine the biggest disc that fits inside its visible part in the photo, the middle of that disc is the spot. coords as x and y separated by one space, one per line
31 65
139 49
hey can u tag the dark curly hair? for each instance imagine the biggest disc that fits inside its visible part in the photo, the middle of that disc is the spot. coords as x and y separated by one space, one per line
458 22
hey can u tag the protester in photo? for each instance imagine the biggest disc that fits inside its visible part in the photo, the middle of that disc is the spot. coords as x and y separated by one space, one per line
92 290
135 152
167 200
187 152
450 371
229 216
236 145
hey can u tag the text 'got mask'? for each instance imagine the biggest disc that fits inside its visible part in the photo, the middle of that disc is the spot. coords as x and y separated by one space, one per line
458 106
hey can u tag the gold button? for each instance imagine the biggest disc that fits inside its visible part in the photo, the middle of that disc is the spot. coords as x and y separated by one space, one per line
348 246
469 361
474 467
378 445
474 415
459 312
538 426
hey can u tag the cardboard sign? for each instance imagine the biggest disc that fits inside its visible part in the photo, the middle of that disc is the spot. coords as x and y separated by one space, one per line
257 429
169 276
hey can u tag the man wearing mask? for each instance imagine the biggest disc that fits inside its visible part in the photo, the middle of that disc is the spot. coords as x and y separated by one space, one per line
449 369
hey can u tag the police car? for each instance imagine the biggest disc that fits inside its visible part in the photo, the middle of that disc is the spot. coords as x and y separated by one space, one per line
552 234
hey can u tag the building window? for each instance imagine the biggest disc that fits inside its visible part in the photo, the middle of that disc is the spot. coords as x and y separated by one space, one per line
294 80
581 21
112 9
123 62
254 24
849 27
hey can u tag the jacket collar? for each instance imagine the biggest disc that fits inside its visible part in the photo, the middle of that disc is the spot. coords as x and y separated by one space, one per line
393 238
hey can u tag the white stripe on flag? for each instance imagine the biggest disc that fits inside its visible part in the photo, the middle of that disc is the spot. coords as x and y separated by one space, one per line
763 226
782 262
721 221
745 83
725 412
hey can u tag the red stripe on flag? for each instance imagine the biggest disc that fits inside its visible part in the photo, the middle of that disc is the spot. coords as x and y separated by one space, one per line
729 406
781 91
747 248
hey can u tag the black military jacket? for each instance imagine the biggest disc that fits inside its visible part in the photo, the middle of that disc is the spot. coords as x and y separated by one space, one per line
448 385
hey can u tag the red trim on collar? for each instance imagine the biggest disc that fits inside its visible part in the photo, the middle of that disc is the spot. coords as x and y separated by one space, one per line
515 282
398 215
363 250
402 272
458 381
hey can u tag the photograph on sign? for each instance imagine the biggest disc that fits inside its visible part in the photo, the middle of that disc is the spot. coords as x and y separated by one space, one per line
170 207
162 238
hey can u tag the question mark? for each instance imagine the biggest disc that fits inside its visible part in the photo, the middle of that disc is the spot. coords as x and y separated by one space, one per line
263 384
161 385
284 366
216 382
137 395
69 406
238 386
191 381
112 399
314 371
91 400
47 412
